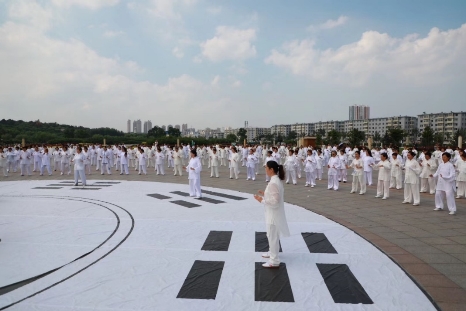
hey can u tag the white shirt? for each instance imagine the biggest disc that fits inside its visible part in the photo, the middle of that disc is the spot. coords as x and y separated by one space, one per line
446 182
196 164
273 202
78 161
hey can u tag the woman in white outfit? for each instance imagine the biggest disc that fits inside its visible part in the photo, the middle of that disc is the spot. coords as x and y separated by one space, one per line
273 200
45 163
358 174
310 169
291 167
333 166
446 185
142 161
78 161
124 161
429 167
461 178
159 159
396 173
178 155
194 169
214 163
383 181
87 160
368 164
234 162
412 171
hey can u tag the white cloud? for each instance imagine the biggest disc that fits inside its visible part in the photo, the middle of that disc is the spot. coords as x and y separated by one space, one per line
438 56
168 9
113 34
215 10
89 4
178 52
230 43
215 81
30 13
236 83
329 24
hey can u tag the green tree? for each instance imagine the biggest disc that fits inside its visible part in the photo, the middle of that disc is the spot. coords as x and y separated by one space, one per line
319 140
69 132
355 137
439 138
427 136
333 137
174 132
242 134
156 132
395 135
292 135
377 137
231 138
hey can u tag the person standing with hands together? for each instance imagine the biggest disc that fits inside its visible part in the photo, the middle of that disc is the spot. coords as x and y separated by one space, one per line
78 161
194 169
445 185
273 200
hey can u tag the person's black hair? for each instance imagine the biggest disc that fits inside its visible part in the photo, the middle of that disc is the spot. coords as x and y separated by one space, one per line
357 151
384 154
269 152
126 151
412 153
446 154
193 151
395 154
428 154
278 169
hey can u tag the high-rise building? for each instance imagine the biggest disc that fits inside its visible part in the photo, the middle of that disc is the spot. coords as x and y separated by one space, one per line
178 127
128 126
137 126
147 126
359 112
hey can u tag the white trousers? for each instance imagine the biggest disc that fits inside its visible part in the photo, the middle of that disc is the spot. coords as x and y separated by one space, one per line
396 182
178 168
56 165
383 188
65 168
299 169
37 165
412 193
252 172
319 173
160 169
214 171
368 177
87 167
5 170
124 169
274 244
234 171
105 167
11 166
342 173
461 189
143 169
99 162
333 182
48 169
450 196
361 180
79 174
428 185
195 188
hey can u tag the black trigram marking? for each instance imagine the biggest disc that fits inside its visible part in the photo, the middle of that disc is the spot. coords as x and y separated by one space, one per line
342 284
217 241
67 182
210 200
107 182
47 188
227 196
318 243
185 203
184 194
81 188
72 185
202 281
262 243
272 284
158 196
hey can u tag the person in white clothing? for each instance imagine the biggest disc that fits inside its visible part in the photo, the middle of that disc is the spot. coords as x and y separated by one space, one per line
461 177
87 160
194 169
429 167
11 160
3 162
124 161
25 158
37 156
445 184
384 168
234 162
159 161
358 174
333 166
105 161
275 218
320 163
214 163
178 156
412 171
368 165
65 161
45 162
291 167
78 161
342 173
310 169
396 172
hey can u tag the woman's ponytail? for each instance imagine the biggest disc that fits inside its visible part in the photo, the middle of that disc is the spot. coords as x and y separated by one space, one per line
281 172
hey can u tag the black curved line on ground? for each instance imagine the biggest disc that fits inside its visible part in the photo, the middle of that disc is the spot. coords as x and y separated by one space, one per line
91 264
11 287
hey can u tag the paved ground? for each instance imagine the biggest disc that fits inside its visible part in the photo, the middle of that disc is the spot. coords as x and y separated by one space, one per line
430 246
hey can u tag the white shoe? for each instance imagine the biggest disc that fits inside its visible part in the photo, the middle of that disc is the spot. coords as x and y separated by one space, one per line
458 197
198 197
265 255
452 213
61 173
438 209
361 193
352 191
405 202
416 204
269 265
384 198
312 186
378 196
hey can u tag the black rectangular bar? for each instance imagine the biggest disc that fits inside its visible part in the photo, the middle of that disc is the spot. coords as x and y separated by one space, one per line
343 285
202 280
318 243
262 243
47 188
67 182
81 188
184 194
217 241
227 196
273 284
107 182
72 185
158 196
185 203
210 200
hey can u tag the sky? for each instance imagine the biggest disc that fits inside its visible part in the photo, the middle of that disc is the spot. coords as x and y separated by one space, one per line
98 63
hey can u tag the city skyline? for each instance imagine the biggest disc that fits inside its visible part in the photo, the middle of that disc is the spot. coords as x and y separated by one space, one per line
204 62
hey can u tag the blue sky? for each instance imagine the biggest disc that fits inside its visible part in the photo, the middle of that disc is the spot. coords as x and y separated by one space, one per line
218 63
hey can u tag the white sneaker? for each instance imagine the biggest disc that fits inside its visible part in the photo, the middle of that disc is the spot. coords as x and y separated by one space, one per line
438 209
361 193
61 173
458 197
452 213
265 255
269 265
352 191
416 204
405 202
384 198
378 196
312 186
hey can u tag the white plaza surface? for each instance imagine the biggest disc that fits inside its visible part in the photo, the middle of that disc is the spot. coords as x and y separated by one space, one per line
140 250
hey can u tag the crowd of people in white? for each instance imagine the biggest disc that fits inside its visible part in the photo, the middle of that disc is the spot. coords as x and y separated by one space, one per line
441 172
